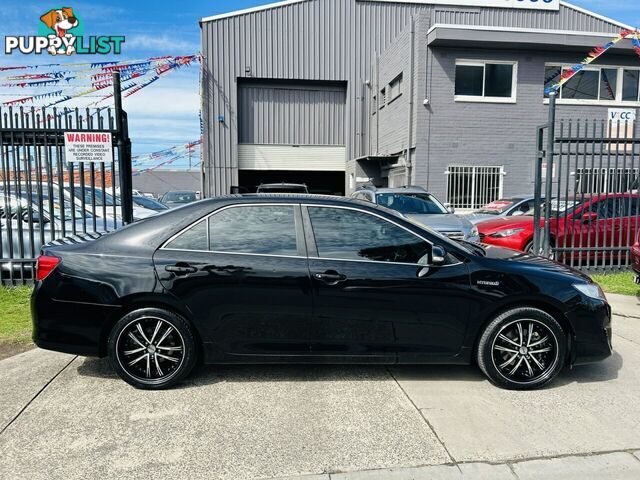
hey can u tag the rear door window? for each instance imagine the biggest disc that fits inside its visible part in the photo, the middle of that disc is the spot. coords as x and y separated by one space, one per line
259 229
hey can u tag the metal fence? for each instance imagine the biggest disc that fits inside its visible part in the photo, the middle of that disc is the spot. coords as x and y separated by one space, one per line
589 173
43 196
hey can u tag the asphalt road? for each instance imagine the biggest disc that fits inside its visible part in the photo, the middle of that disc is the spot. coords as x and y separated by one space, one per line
69 417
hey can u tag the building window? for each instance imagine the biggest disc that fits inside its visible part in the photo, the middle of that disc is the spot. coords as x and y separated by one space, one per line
471 187
383 97
395 88
596 84
488 81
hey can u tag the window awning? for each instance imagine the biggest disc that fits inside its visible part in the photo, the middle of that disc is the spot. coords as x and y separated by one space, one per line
508 38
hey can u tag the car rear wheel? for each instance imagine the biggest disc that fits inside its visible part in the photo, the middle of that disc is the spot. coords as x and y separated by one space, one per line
522 349
152 348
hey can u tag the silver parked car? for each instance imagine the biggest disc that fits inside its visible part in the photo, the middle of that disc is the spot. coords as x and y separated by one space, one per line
419 205
504 207
24 228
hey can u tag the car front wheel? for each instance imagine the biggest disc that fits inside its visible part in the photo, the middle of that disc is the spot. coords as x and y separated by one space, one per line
152 348
522 349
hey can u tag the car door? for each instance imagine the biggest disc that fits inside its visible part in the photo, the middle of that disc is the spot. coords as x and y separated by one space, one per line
373 296
243 273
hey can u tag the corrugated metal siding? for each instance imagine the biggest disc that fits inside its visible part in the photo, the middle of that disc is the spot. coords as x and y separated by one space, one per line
322 40
291 114
287 157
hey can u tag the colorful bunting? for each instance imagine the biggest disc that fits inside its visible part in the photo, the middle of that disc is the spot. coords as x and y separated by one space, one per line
568 73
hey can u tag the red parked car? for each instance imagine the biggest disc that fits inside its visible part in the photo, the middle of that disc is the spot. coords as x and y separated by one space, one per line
635 257
606 224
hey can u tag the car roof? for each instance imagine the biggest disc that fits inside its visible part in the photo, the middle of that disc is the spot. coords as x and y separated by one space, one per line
282 184
409 189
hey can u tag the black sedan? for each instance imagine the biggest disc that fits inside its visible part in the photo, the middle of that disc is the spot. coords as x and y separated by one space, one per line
310 279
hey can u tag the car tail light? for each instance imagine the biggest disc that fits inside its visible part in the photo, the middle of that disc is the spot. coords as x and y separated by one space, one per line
45 265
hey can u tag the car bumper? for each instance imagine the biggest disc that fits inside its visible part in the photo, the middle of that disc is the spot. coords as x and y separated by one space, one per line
70 327
591 321
635 259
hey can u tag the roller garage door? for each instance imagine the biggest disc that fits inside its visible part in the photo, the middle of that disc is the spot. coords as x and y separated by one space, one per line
295 126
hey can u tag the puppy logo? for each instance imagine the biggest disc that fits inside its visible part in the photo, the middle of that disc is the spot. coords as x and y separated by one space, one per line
61 20
61 32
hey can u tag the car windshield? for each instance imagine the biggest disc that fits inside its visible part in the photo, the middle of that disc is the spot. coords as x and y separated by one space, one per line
102 198
149 203
472 248
497 207
411 203
48 207
180 197
562 206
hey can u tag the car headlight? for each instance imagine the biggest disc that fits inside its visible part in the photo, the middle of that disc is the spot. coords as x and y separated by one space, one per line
591 290
473 232
506 233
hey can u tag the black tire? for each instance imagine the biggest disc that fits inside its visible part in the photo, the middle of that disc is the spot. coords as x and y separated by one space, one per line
152 348
505 349
528 248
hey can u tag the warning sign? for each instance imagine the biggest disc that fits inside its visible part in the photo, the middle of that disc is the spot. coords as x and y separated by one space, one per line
88 147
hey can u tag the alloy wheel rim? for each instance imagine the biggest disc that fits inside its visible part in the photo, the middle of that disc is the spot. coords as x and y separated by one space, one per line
150 349
525 351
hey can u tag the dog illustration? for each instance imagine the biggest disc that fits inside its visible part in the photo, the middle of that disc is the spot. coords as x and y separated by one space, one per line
60 21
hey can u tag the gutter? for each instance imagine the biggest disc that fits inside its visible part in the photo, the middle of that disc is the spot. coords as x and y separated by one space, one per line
407 169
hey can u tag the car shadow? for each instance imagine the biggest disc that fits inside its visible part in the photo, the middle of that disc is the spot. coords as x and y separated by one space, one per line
593 373
211 374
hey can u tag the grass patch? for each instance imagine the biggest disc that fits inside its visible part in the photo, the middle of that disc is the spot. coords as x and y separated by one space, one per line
15 315
621 283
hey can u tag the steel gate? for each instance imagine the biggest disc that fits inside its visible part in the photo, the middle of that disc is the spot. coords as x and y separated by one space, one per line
44 197
588 173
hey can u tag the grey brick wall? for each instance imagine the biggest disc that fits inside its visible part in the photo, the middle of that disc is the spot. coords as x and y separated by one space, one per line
465 133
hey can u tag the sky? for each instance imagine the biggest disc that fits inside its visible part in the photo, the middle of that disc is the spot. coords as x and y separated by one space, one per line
166 113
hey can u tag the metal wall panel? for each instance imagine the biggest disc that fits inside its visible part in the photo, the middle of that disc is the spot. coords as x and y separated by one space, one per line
329 40
291 113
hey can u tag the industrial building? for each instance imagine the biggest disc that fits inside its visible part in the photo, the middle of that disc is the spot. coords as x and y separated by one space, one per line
446 94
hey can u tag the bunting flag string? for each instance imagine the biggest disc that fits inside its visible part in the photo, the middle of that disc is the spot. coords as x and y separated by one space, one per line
139 75
103 65
179 151
568 73
636 43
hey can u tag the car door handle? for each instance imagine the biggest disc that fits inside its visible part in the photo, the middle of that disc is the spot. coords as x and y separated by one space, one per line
330 277
181 269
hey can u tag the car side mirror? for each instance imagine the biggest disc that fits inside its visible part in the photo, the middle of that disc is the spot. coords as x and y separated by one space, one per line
438 255
449 208
589 217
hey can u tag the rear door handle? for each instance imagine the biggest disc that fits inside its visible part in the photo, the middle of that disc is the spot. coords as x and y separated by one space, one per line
181 269
330 277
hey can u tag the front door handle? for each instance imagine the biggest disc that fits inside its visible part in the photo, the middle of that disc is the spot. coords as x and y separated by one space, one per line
330 277
181 269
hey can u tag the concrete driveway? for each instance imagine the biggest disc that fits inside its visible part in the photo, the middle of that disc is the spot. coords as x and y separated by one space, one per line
69 417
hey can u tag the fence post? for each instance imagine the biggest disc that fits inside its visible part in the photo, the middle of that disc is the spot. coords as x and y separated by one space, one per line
537 201
551 138
124 153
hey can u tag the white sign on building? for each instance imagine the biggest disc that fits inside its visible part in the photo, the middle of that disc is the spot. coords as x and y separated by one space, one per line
88 147
527 4
621 125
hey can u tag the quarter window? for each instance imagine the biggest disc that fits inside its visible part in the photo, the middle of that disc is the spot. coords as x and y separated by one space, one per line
485 80
354 235
266 230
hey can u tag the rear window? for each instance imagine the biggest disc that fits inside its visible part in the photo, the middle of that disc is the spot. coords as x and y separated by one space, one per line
258 230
